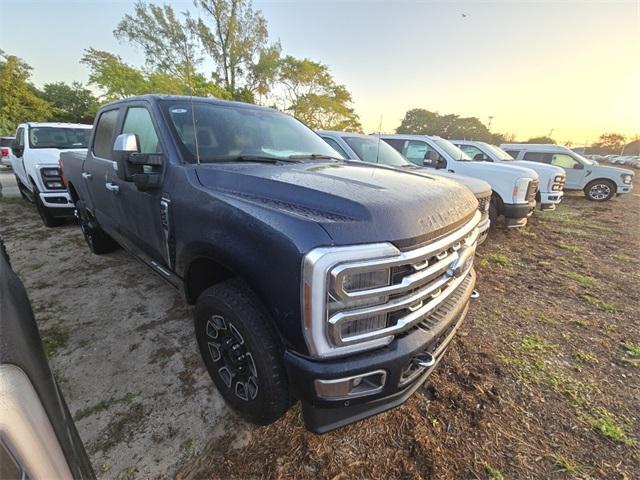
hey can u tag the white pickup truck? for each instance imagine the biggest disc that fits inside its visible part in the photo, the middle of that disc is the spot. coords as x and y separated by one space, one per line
36 152
598 182
552 178
514 187
364 148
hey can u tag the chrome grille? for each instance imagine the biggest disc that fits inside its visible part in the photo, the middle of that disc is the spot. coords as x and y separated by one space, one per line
422 280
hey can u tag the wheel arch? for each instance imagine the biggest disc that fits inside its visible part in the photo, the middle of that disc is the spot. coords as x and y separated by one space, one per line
602 179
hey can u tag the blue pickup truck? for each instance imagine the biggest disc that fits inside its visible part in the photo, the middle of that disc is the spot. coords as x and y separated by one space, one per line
333 282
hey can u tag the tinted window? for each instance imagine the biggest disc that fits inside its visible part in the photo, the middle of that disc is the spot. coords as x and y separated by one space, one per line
59 137
513 153
396 143
20 137
6 141
104 137
536 157
375 150
336 147
138 121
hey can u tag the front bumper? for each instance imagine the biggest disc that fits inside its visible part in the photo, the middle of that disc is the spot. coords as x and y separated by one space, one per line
516 214
322 414
623 188
549 200
60 200
483 228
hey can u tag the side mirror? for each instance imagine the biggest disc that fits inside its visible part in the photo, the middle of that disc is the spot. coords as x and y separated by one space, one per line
143 169
479 157
578 166
16 149
125 145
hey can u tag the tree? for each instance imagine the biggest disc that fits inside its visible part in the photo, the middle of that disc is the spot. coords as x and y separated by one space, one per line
72 103
237 42
119 80
170 46
423 122
312 95
542 139
18 101
608 143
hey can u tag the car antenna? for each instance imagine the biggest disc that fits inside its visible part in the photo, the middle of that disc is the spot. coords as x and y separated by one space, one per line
193 114
379 140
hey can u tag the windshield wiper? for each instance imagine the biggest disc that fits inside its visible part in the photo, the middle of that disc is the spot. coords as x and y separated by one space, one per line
248 158
313 156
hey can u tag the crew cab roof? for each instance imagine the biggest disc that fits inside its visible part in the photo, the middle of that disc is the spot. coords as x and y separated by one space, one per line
155 98
58 124
539 147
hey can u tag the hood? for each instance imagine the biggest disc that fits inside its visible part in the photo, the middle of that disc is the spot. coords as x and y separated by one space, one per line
354 202
609 170
50 156
478 187
487 170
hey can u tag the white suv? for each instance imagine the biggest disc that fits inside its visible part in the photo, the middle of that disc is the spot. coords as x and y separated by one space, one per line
598 182
36 152
514 187
552 179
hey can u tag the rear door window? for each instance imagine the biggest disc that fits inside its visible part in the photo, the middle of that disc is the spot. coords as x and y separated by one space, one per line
104 136
539 157
513 153
473 151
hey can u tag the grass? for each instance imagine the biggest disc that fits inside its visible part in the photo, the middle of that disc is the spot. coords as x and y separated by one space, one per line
622 257
493 472
599 304
12 200
54 338
585 357
188 445
564 464
534 363
102 406
580 322
583 280
632 351
527 233
569 247
498 259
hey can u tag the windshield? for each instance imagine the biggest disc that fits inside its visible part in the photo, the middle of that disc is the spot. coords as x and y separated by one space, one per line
228 133
499 153
374 150
59 137
451 150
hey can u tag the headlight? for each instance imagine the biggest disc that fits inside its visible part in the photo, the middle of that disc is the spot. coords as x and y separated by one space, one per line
626 178
558 178
50 172
520 190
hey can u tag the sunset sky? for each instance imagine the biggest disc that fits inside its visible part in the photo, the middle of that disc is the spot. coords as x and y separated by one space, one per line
573 67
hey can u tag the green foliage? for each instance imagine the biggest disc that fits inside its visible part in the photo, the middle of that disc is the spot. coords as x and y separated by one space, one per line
582 280
493 472
119 80
72 102
542 139
313 96
423 122
54 338
498 259
170 46
599 304
102 406
238 44
569 247
608 143
19 101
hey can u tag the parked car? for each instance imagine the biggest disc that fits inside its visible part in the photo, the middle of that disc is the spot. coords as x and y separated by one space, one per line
355 146
514 187
598 182
333 282
552 179
36 152
5 151
39 438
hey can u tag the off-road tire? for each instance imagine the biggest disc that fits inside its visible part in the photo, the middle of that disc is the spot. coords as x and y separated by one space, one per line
98 240
600 190
45 213
239 308
494 211
3 252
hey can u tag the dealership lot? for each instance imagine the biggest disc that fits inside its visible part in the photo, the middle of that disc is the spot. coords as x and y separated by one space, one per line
539 385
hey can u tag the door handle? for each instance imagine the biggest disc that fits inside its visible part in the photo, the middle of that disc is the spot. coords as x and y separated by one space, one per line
451 171
112 187
87 175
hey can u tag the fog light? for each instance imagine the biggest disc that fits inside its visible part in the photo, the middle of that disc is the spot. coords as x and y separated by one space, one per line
351 387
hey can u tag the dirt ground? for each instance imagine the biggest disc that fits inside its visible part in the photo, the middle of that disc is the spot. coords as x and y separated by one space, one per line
543 380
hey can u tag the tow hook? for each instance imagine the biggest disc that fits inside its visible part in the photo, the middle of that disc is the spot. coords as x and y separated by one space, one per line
475 295
424 360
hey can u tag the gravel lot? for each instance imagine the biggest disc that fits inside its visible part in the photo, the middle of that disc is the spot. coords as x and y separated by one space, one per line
542 382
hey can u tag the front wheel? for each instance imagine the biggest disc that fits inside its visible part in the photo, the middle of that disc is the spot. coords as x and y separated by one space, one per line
241 352
600 190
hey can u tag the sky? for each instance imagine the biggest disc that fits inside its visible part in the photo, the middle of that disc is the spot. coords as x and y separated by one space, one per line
567 67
